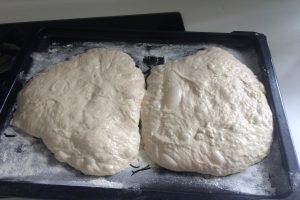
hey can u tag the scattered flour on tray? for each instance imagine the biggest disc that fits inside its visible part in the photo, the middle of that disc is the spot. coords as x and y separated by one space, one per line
24 158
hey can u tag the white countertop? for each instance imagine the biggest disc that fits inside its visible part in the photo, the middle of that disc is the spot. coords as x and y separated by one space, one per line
278 20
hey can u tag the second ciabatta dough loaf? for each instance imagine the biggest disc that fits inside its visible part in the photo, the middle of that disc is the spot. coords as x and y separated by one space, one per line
86 110
206 113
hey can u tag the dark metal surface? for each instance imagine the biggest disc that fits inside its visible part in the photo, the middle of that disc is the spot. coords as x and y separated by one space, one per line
15 34
238 40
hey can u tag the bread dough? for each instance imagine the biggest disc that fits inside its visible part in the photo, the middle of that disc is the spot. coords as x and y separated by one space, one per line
206 113
86 110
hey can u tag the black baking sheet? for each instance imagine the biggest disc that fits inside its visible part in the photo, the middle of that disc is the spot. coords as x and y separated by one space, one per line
285 182
15 34
169 21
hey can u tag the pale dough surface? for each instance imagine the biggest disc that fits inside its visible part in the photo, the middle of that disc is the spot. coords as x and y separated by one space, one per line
86 110
206 113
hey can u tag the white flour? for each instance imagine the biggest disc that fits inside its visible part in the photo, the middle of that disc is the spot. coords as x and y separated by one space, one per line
25 158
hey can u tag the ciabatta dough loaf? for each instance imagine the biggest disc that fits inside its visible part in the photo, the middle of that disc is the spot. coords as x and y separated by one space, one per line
86 110
206 113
